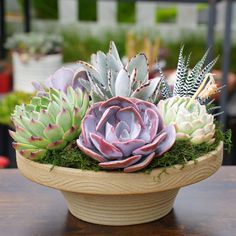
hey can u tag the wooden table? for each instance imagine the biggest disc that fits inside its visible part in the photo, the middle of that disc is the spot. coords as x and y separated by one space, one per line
207 209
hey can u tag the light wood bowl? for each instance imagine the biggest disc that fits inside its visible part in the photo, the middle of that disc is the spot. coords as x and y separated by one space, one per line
112 198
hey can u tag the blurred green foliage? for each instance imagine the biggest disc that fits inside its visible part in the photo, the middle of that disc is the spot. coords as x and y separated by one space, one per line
166 14
126 12
8 103
77 46
43 9
87 10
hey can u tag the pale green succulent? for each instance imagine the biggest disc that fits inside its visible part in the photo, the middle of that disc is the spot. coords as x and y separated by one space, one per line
190 118
108 77
48 122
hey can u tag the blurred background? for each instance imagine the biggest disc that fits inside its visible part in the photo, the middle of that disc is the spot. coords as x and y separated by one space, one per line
39 36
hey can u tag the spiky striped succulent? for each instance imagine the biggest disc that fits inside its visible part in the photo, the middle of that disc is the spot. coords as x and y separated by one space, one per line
184 104
124 133
108 77
187 81
190 118
49 122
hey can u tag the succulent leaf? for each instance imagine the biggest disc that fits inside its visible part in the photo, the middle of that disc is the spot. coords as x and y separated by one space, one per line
122 85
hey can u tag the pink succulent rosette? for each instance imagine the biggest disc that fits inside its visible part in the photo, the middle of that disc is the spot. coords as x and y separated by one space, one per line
125 133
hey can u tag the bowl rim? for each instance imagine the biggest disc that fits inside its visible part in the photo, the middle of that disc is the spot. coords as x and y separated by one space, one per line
119 183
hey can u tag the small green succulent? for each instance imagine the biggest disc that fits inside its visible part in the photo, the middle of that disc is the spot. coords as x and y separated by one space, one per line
48 122
190 118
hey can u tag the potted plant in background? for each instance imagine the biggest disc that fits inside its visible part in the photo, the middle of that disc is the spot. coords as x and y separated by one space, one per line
35 57
5 78
7 106
121 158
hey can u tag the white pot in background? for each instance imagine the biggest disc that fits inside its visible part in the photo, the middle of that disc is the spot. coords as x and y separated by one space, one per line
33 70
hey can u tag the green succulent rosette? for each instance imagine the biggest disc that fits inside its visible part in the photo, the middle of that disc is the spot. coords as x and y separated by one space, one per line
49 122
190 119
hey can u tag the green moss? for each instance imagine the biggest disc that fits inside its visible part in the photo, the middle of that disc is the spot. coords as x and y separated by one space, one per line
181 153
71 157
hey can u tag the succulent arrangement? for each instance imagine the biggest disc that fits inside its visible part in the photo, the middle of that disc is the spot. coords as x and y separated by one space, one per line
115 114
34 45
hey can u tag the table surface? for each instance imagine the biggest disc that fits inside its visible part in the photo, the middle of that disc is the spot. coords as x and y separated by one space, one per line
207 208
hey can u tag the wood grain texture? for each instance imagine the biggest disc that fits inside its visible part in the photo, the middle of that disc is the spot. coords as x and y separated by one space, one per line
113 183
111 198
120 209
203 209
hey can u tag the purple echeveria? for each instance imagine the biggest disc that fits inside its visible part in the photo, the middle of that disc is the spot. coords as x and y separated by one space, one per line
62 79
124 133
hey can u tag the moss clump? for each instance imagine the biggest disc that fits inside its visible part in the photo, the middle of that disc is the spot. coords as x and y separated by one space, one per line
180 153
71 157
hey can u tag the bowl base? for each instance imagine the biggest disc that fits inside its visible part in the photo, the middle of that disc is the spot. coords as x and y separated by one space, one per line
118 210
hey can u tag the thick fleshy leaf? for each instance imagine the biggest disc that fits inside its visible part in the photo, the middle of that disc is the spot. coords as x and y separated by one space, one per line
117 101
92 71
88 125
21 132
113 51
146 90
110 112
53 132
45 117
86 84
127 147
122 86
111 82
130 115
53 109
141 64
71 133
133 77
59 144
110 134
79 74
38 141
33 153
121 163
22 146
151 121
141 165
61 79
151 147
37 154
102 66
107 149
62 119
122 125
168 142
88 151
17 137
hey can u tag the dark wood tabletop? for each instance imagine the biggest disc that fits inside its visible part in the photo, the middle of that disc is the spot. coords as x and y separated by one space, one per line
207 208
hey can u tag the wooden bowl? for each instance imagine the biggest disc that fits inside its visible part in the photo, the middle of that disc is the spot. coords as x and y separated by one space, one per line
114 198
